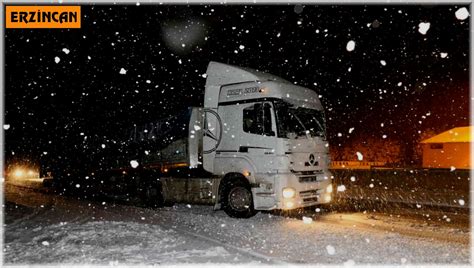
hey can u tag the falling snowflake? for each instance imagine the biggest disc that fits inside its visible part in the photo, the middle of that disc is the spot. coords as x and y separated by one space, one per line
423 27
45 243
461 202
351 129
134 163
123 71
331 250
6 126
341 188
65 50
360 157
443 55
350 46
453 168
383 62
462 13
353 178
242 47
307 220
57 59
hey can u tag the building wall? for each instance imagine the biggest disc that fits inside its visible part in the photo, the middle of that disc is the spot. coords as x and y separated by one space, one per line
446 155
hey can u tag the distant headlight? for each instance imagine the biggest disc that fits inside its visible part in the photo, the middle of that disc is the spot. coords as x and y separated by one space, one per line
289 192
19 173
329 188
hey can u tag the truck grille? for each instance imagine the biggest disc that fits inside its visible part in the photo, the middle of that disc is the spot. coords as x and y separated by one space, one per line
310 196
308 179
310 200
308 193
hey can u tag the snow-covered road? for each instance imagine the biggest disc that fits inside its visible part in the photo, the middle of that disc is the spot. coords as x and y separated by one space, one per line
42 228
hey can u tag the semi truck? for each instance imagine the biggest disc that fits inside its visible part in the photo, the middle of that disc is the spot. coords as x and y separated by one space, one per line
257 143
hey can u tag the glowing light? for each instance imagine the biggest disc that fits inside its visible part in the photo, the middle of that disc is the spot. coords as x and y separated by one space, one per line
289 204
327 198
289 192
329 188
247 173
19 173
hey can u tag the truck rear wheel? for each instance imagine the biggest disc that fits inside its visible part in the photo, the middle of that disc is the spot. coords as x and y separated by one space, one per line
237 199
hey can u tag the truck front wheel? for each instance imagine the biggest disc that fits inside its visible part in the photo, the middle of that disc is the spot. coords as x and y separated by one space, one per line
237 199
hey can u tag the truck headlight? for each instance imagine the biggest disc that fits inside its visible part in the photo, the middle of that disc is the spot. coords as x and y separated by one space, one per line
327 198
289 204
329 188
289 192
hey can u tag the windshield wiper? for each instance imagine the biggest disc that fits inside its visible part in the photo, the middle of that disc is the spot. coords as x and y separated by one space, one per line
306 132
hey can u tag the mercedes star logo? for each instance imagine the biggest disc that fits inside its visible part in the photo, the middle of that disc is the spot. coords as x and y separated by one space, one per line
311 159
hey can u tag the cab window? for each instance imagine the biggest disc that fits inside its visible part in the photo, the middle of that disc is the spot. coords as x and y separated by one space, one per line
257 119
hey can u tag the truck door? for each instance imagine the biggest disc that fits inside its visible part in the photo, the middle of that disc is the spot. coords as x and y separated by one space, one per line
258 134
248 140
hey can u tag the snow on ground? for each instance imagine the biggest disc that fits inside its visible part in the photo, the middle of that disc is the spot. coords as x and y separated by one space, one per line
292 240
110 242
89 232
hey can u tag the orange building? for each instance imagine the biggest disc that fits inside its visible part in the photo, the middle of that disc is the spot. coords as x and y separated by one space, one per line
448 149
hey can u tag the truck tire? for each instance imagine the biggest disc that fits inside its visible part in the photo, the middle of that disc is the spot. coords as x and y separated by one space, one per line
153 196
237 201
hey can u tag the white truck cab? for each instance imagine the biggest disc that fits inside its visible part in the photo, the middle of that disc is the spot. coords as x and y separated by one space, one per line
267 134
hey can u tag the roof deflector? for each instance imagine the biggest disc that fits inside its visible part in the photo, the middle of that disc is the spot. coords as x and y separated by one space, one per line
219 74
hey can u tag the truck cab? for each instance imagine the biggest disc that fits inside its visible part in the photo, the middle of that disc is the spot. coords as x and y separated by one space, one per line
268 134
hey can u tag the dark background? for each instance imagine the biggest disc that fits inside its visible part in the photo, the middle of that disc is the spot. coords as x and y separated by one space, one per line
48 105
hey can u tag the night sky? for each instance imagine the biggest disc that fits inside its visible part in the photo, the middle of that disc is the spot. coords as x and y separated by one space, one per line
395 76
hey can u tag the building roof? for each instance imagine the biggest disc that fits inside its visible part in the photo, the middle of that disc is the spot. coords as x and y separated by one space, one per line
458 134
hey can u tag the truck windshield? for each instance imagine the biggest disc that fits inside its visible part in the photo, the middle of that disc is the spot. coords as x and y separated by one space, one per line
294 122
